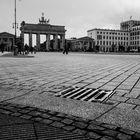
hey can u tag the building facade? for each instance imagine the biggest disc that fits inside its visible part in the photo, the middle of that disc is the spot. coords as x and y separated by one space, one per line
8 40
125 39
44 28
81 44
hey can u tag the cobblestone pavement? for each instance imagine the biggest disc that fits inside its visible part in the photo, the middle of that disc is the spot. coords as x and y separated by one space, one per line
38 124
35 81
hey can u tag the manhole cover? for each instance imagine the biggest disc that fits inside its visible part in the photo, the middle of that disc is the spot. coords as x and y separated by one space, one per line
85 94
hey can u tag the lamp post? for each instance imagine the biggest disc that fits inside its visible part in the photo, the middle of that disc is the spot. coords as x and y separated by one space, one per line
15 24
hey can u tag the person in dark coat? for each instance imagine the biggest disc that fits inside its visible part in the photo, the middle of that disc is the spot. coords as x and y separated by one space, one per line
66 49
2 46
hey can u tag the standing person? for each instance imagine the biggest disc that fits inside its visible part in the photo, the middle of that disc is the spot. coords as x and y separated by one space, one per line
2 47
35 49
65 48
31 49
26 49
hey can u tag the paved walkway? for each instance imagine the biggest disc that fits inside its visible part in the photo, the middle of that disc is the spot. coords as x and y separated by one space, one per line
34 82
15 128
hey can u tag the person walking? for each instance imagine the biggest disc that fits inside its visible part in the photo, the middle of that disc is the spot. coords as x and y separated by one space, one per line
65 48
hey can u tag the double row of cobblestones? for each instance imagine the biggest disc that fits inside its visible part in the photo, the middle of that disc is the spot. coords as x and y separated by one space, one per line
90 128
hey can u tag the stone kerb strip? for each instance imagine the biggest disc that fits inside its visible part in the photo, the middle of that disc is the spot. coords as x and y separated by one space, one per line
90 128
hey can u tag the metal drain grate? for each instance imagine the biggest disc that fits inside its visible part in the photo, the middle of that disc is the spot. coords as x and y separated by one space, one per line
85 94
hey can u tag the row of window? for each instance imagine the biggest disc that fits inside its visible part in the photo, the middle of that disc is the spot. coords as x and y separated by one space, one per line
135 33
134 43
111 37
134 38
111 43
112 33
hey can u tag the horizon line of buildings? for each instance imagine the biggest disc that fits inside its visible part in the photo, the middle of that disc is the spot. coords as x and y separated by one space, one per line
107 40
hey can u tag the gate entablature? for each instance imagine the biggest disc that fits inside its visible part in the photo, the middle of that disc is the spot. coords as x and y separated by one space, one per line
46 28
43 27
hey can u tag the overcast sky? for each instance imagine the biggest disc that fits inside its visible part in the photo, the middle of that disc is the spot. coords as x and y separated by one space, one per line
77 16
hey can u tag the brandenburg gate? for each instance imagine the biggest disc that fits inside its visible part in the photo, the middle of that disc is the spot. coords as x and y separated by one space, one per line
44 28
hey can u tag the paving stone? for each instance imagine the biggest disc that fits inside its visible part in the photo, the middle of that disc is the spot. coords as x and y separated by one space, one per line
16 114
126 131
57 124
122 136
95 127
67 121
82 120
56 118
133 94
110 133
126 106
96 122
61 115
109 126
25 116
5 111
52 112
107 138
80 125
35 113
93 135
79 131
46 121
118 98
121 92
24 111
44 115
112 102
39 119
30 108
69 128
134 101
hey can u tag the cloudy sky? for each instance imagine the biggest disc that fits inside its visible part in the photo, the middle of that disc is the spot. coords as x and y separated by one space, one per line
77 16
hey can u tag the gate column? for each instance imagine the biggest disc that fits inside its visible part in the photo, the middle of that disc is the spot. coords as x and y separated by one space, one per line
62 41
38 41
47 42
30 40
55 42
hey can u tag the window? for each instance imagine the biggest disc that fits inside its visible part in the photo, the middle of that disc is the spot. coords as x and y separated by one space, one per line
106 42
99 37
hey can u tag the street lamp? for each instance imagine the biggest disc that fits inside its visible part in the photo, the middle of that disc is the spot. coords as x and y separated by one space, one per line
15 24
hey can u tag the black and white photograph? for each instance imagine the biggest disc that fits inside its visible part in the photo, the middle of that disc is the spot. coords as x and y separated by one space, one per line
69 69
